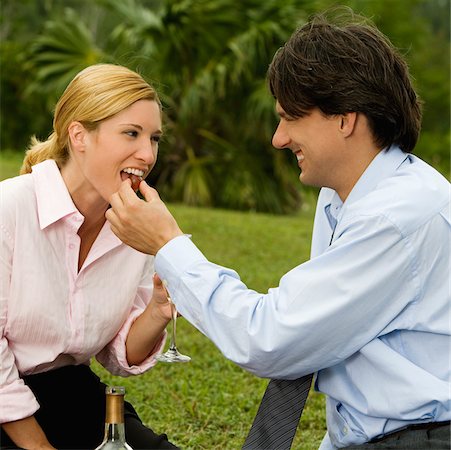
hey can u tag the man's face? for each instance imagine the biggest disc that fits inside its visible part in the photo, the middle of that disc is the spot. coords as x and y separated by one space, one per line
316 142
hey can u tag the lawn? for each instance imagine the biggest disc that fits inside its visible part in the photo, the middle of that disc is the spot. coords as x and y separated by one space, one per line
210 403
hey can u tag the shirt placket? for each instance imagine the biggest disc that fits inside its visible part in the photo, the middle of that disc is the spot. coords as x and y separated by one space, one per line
75 304
333 213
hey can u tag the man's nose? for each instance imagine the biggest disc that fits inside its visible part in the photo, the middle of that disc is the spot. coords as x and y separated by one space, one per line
280 138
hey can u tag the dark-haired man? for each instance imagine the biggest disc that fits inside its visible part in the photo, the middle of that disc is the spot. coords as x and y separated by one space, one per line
370 311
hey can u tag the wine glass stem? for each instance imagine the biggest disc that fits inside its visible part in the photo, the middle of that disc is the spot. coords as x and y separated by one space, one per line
174 324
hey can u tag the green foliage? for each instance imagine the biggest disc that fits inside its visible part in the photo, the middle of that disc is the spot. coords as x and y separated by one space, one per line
10 162
208 60
65 47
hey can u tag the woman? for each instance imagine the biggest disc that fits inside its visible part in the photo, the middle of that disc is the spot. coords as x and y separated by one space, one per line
70 290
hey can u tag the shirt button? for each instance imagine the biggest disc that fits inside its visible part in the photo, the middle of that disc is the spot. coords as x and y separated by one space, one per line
345 430
71 246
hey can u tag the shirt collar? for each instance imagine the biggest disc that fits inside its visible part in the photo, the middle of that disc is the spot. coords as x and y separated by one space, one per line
53 199
383 165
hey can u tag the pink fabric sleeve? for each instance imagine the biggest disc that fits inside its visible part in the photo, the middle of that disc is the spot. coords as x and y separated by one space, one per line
16 399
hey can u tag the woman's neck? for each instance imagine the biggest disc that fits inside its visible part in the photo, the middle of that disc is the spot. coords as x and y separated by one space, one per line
89 203
86 199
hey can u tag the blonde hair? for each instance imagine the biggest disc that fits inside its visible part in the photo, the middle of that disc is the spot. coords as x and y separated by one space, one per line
95 94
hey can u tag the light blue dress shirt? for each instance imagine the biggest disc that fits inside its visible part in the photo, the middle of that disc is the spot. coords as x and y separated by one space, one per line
369 312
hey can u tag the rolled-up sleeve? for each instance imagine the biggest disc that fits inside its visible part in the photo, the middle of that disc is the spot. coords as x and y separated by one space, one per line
114 356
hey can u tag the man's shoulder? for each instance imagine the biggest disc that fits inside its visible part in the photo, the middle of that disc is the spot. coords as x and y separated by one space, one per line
409 198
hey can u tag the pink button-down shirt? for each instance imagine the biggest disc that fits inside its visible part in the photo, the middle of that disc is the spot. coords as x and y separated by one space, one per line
51 314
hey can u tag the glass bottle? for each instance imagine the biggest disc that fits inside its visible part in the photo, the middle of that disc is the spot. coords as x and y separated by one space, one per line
114 420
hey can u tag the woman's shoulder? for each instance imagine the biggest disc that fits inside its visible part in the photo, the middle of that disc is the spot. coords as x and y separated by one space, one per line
16 194
17 186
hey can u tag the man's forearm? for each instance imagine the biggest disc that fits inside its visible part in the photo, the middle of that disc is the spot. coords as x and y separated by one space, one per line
27 433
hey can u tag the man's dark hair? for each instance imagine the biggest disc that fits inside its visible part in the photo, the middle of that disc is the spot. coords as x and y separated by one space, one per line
349 67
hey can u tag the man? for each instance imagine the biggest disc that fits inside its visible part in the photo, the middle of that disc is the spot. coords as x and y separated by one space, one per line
370 311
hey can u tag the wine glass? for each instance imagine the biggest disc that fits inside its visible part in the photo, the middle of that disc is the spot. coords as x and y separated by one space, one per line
172 354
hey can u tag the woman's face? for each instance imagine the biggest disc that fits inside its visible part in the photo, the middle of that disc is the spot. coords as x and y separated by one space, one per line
123 146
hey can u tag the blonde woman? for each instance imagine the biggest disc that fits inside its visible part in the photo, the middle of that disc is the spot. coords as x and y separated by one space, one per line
70 290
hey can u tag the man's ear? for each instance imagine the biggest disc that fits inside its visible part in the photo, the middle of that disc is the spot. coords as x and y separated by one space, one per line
348 123
77 136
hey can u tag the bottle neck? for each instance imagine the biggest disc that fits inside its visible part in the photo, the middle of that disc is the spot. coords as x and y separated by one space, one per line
115 432
114 419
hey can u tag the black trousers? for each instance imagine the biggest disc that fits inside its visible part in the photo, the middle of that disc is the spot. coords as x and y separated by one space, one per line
72 412
431 436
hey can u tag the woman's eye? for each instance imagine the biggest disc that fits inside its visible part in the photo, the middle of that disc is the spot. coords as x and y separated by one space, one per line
132 133
156 138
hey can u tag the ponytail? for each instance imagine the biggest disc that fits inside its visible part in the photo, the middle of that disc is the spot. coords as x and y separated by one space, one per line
40 151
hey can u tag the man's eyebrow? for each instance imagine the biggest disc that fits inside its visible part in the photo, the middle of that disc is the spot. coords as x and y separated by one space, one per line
283 114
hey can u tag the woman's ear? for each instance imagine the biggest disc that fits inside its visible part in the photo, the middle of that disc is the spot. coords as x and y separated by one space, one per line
77 136
348 123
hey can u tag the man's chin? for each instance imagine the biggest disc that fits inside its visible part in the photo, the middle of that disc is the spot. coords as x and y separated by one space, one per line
302 178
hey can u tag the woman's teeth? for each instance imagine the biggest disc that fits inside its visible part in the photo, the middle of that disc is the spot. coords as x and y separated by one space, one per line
131 171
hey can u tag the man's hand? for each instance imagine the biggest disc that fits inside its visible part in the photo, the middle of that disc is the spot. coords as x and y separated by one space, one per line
145 225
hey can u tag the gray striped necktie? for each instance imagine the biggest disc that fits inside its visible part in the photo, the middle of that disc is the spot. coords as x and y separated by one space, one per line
278 416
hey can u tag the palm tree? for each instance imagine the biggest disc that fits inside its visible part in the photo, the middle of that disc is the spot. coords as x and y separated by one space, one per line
65 47
208 60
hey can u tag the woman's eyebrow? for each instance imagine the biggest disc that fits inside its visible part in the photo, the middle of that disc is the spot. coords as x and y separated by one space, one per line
132 125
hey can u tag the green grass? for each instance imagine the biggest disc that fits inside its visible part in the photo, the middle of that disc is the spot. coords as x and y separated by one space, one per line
10 163
210 403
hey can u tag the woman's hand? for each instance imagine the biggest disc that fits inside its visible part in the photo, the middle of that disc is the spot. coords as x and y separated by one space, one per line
159 302
147 330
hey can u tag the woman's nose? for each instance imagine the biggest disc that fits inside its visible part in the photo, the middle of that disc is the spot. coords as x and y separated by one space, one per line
148 152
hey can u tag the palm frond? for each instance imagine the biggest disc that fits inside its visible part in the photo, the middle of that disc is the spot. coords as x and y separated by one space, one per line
65 48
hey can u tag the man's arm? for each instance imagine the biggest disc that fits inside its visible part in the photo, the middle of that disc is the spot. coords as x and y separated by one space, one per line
350 292
145 225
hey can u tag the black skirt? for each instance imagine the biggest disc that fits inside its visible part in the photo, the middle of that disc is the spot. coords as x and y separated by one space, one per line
72 412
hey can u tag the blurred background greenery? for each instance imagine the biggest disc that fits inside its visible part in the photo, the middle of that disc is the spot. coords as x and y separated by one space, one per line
208 60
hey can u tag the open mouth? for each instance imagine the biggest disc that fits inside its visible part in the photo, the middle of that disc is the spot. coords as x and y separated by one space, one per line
299 158
135 175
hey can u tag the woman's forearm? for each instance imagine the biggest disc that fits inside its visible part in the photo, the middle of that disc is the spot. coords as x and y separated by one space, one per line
27 433
145 333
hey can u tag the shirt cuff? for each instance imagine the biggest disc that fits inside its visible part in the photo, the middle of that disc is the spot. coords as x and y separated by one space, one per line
174 259
17 402
114 357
